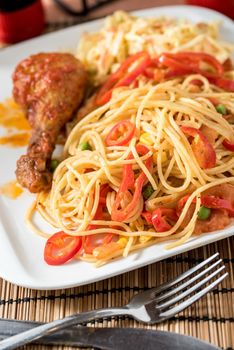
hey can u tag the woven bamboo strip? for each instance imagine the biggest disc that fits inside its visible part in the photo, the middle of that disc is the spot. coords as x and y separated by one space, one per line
210 319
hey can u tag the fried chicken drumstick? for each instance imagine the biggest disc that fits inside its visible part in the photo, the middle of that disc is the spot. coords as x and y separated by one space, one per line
50 88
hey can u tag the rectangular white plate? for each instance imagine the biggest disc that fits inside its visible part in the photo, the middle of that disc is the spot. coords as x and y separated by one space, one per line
21 251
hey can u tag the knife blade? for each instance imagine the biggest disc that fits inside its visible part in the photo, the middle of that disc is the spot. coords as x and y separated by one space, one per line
109 338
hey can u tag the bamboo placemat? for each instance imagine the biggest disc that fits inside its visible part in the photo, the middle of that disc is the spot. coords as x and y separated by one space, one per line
210 319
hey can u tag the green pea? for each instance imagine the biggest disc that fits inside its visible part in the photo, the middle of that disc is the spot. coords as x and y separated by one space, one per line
204 213
85 146
53 164
147 191
221 109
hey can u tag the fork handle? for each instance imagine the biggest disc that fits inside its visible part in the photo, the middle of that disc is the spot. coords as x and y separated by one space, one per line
26 337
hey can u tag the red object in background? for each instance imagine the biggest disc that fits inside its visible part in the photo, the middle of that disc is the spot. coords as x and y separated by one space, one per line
24 22
224 6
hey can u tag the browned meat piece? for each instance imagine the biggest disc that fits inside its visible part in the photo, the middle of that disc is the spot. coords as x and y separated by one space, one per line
50 87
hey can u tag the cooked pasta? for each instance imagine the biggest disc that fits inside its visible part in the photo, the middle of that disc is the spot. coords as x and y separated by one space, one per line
158 112
123 35
153 161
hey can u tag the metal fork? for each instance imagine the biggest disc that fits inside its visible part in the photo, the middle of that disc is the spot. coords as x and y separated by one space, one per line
151 306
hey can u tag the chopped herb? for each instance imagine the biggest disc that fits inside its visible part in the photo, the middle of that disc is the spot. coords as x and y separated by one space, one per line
147 191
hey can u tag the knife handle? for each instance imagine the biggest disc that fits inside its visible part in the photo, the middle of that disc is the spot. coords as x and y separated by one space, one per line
78 336
28 336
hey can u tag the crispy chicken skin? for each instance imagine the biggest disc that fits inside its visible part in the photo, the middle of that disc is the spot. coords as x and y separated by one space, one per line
50 88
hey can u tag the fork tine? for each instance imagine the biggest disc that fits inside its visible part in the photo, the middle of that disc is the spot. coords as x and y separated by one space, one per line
151 293
171 312
190 290
187 283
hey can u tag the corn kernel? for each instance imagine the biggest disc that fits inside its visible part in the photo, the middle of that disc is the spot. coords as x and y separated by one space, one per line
144 239
146 139
122 242
163 157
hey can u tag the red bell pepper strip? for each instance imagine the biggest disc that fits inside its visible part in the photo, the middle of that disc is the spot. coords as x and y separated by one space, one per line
188 62
181 203
159 218
147 216
170 61
103 193
122 77
183 63
208 201
226 84
176 73
129 183
202 149
61 247
217 203
214 100
228 145
121 133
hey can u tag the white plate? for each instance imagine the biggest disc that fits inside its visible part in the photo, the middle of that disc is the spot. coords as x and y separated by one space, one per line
21 252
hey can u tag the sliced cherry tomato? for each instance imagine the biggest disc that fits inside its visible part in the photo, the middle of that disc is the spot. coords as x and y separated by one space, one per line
159 218
61 247
93 241
217 203
96 240
123 77
129 183
121 133
228 145
202 149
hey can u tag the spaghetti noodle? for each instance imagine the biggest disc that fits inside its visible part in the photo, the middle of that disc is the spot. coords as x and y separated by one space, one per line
154 159
158 112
